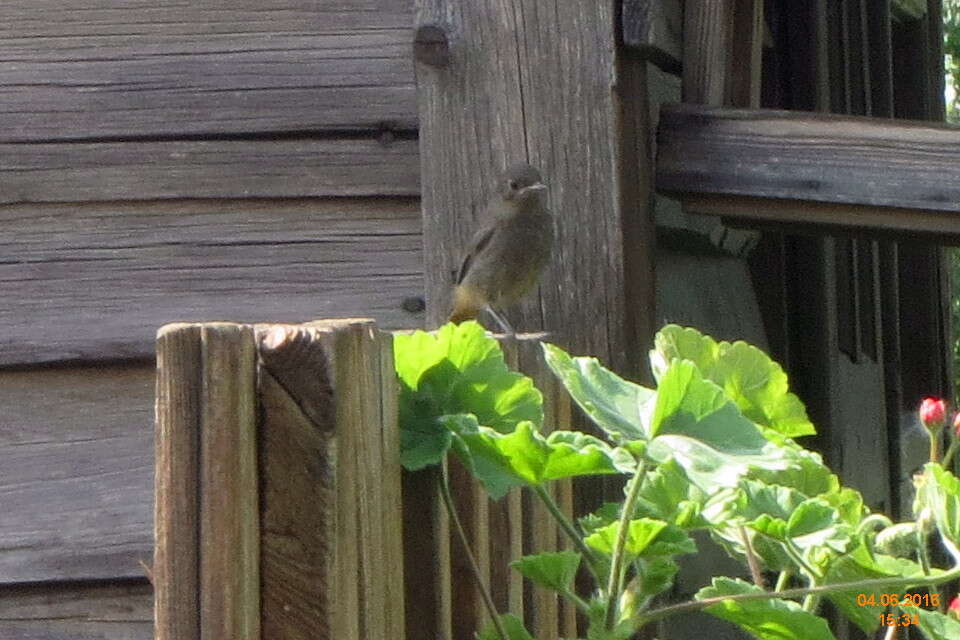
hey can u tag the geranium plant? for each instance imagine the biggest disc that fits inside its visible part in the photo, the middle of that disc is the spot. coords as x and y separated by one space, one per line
712 447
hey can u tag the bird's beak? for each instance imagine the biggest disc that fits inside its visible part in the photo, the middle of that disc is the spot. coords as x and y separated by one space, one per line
536 187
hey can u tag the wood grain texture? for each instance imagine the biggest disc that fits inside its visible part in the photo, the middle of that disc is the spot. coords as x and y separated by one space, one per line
708 50
228 505
82 70
93 281
368 598
811 158
426 557
536 81
71 611
298 462
175 570
76 449
79 172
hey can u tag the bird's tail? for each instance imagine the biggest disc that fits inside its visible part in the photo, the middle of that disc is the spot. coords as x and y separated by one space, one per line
467 303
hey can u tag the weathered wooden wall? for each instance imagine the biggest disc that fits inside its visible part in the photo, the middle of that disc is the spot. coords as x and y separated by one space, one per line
164 161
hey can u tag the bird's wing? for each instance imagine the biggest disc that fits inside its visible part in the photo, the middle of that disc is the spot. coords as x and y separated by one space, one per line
480 239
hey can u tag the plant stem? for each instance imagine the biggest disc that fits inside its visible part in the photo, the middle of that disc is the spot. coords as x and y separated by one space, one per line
582 604
923 553
696 605
951 450
474 567
616 559
934 445
797 556
782 580
567 527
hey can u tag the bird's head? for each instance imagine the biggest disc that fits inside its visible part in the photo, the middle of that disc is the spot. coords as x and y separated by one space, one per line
522 184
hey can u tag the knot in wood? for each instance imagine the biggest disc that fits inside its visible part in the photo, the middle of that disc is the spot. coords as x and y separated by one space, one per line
431 45
413 304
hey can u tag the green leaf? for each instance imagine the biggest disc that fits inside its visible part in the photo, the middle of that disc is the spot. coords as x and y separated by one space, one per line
617 406
553 570
423 443
607 513
525 457
748 376
656 575
758 509
771 619
814 523
511 624
667 495
900 540
458 370
939 490
933 624
694 423
860 565
806 473
645 537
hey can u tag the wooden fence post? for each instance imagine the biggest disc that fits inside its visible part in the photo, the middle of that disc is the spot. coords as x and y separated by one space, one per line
278 483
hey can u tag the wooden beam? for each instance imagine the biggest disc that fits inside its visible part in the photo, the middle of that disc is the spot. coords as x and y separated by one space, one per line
305 167
542 82
902 176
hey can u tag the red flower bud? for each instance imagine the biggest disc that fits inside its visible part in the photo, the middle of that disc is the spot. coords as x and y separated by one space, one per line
956 424
954 609
933 412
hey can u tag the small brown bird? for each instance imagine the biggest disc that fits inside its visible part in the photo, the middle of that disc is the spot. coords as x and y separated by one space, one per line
507 254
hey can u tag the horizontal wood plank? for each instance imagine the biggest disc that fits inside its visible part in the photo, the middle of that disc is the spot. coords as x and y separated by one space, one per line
78 172
94 281
76 450
895 174
122 611
91 70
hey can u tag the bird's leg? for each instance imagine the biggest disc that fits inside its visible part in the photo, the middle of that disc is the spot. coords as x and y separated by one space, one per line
504 325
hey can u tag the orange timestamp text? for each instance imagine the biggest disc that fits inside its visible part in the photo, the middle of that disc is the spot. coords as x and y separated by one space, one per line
894 599
902 620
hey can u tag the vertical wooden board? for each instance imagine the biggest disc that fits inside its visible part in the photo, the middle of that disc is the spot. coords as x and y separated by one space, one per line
472 505
707 50
746 50
341 346
533 80
176 525
370 506
390 475
542 607
297 467
229 512
505 518
506 545
426 557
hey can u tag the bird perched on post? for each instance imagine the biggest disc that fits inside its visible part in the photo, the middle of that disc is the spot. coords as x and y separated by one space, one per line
505 257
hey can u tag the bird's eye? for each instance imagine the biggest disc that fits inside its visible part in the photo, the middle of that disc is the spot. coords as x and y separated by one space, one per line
514 185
